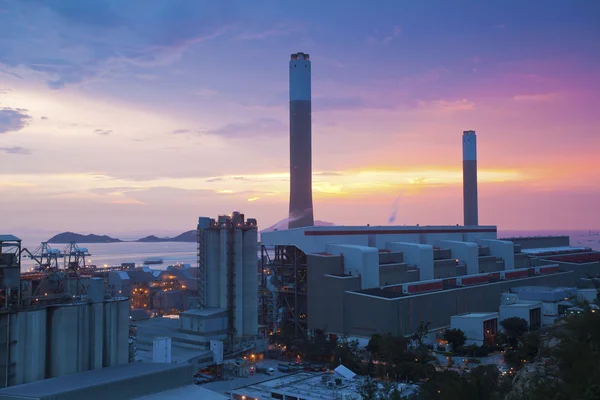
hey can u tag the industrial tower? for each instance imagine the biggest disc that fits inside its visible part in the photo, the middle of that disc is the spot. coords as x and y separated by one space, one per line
301 205
228 270
469 145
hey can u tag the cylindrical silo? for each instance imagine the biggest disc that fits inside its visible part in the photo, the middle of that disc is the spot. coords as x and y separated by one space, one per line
301 205
250 282
212 252
223 266
238 299
469 145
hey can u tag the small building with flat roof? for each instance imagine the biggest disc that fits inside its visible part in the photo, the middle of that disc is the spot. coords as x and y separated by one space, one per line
479 328
530 311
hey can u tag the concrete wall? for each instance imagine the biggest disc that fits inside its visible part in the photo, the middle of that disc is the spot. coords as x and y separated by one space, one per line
61 340
465 252
416 254
365 314
519 311
490 264
501 248
391 257
205 325
325 302
359 261
444 269
396 273
522 260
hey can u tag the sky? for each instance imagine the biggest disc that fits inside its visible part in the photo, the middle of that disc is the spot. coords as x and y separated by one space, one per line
142 115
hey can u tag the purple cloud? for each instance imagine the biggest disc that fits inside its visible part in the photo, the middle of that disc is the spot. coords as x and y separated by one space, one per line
13 119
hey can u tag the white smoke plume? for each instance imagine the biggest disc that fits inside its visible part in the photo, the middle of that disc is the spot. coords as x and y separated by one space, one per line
394 213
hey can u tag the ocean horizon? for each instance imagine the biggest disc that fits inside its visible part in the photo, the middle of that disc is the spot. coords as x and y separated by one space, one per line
112 254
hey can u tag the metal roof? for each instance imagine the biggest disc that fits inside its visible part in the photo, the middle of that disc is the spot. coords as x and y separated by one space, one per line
191 392
47 388
9 238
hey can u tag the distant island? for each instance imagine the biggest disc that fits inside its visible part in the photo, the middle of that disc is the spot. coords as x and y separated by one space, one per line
187 237
68 237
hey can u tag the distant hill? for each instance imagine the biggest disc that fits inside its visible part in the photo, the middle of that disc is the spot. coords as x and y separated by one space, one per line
284 224
186 237
68 237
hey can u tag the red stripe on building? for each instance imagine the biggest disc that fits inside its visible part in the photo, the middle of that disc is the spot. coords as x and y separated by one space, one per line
395 232
473 280
424 287
516 274
549 270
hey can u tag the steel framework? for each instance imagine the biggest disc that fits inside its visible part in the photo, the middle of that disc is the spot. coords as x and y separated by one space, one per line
287 269
10 272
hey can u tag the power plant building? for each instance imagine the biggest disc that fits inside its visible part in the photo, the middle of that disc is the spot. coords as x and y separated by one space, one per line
56 323
301 203
228 274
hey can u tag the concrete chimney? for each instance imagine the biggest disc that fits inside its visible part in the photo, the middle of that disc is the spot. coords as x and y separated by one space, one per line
301 205
469 146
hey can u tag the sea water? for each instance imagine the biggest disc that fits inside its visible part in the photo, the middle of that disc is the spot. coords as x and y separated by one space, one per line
113 254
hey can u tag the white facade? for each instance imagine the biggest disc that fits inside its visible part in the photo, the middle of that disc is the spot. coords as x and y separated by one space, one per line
314 239
360 261
501 248
520 310
554 299
464 252
472 324
420 255
416 243
161 350
216 346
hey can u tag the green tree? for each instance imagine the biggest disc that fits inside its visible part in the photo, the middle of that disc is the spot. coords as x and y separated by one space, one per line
420 333
347 354
514 329
368 389
455 337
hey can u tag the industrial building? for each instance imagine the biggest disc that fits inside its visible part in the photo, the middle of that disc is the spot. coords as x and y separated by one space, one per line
479 328
386 279
554 300
228 274
530 311
301 203
55 321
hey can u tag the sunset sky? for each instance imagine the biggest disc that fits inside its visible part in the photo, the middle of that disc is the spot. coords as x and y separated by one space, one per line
141 115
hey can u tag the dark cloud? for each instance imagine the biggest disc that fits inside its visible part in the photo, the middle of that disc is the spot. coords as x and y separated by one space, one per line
113 34
180 131
13 119
257 128
15 150
103 131
44 118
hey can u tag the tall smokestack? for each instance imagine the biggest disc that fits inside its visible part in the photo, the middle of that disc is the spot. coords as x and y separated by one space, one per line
301 205
469 143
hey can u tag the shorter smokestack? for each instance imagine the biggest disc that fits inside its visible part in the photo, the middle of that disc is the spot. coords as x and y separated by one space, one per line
469 146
